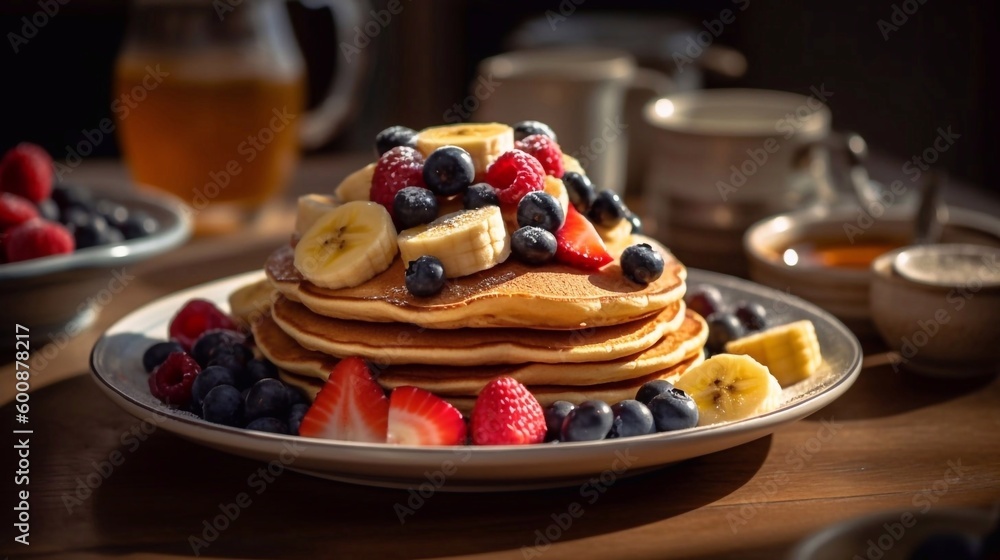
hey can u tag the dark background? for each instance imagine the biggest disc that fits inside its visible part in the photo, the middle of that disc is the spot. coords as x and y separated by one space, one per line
933 72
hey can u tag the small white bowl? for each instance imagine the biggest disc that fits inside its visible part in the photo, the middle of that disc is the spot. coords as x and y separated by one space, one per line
58 296
844 292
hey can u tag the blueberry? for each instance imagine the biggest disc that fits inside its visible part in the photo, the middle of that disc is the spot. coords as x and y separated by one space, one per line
267 397
49 210
71 196
296 395
533 245
633 219
704 300
114 213
722 328
425 276
652 389
234 358
581 191
260 369
157 354
480 195
209 378
75 216
414 206
210 341
555 414
138 224
114 236
607 209
591 421
752 315
295 415
91 231
268 424
223 405
449 170
641 263
950 546
524 129
395 136
673 410
632 418
540 209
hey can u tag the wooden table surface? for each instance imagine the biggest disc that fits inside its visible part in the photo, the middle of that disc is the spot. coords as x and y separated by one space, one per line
887 444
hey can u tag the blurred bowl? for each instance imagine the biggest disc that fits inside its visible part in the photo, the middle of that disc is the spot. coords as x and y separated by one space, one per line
892 535
58 296
940 326
844 291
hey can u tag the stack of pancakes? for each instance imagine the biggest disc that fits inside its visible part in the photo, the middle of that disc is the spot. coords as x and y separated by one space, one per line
565 333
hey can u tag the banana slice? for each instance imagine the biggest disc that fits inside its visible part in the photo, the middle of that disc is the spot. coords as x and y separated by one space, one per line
616 237
729 387
249 303
790 351
557 188
570 163
484 141
347 246
357 185
311 207
465 242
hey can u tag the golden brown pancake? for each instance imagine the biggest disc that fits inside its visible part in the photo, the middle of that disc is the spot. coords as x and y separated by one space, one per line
511 294
395 343
546 394
675 347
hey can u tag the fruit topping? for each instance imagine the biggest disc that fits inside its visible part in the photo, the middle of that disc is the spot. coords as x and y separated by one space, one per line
223 404
791 351
171 381
295 415
752 315
347 246
506 413
555 414
310 208
542 210
417 417
395 136
15 210
35 239
210 378
157 354
607 209
257 370
533 245
210 341
515 174
479 195
545 150
635 222
722 328
449 171
704 300
465 242
483 141
652 389
351 406
357 185
267 398
673 410
589 421
400 167
424 276
524 129
414 206
579 245
729 387
268 424
631 418
26 170
642 263
196 317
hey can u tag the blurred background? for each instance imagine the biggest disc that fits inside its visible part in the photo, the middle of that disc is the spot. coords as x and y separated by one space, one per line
894 85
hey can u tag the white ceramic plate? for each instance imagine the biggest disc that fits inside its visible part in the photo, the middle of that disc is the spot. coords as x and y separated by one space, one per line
117 367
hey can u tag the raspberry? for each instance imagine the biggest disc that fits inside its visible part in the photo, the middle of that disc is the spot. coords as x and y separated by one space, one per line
15 210
196 317
171 381
37 238
506 413
515 174
26 170
546 151
398 168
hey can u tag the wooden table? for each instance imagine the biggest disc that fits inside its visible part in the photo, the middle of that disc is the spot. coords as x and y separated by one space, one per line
888 443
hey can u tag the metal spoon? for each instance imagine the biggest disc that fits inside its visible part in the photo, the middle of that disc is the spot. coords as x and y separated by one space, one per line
857 155
930 213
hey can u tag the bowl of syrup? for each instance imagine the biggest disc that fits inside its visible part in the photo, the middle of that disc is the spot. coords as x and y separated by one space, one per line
824 255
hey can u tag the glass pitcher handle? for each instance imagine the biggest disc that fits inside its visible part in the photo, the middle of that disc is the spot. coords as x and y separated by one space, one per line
321 123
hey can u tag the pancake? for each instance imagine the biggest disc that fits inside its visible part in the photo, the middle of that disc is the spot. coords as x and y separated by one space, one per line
546 394
675 347
511 294
393 343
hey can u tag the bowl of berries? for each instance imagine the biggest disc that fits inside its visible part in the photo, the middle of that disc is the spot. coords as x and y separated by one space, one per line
64 248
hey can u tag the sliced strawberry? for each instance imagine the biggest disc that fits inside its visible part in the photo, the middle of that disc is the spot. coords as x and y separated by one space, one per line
506 413
578 243
417 417
350 407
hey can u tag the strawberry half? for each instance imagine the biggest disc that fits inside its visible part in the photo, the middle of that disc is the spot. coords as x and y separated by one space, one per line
578 243
506 413
350 407
417 417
